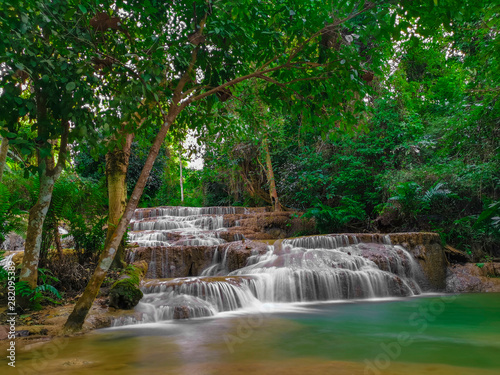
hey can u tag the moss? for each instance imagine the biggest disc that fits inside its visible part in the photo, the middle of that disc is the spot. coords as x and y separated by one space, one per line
125 293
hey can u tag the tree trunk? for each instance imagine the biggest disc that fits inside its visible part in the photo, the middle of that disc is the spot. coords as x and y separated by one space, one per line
37 214
270 177
4 146
57 240
180 177
116 172
48 177
77 317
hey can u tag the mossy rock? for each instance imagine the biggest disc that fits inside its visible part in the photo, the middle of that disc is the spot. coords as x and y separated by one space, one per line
124 294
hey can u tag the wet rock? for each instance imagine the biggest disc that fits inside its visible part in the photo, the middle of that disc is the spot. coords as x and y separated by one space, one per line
473 277
239 252
426 249
13 242
185 261
99 322
181 312
124 295
174 261
22 333
268 225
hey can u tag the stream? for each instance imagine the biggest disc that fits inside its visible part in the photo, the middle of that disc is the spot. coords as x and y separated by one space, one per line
310 305
426 334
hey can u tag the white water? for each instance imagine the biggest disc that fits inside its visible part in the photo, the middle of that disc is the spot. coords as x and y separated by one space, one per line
317 268
178 226
5 262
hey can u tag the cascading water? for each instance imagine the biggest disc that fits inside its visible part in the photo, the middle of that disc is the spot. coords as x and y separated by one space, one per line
317 268
180 226
5 262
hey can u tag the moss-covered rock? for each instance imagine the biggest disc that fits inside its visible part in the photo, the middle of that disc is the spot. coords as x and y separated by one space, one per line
125 293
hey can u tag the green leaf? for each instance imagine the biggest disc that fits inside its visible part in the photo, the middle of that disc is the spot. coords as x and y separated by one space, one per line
82 8
70 86
71 12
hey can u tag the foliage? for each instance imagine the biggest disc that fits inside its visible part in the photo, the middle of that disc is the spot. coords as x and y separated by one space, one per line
169 193
333 219
42 293
137 159
3 271
86 222
10 214
90 166
490 218
411 200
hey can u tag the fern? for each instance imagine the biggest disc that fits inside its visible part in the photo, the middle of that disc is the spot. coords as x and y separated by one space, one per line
412 200
490 219
330 219
42 293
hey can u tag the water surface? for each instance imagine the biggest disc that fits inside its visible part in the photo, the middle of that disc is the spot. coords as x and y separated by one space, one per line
430 334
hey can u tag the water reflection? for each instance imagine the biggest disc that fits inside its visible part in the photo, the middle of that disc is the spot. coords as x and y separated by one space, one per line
340 338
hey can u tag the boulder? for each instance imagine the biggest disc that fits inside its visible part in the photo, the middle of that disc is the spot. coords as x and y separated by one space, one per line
473 277
125 293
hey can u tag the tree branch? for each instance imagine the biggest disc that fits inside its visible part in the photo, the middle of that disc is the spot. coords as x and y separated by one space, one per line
177 97
260 72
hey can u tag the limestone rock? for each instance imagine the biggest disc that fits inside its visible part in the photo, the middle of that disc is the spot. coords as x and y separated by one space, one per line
473 277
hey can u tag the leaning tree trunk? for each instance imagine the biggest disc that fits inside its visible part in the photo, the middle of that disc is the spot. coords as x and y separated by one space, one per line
270 177
180 177
116 172
77 317
4 146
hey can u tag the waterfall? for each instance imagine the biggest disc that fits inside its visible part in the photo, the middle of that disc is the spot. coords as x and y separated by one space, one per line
5 262
178 226
306 269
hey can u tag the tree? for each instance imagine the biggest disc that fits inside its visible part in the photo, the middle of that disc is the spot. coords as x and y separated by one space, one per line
179 55
48 79
4 147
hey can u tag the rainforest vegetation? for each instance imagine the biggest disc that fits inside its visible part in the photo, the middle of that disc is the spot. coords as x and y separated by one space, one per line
380 116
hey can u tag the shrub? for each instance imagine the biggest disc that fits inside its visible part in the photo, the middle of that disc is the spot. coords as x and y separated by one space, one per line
332 219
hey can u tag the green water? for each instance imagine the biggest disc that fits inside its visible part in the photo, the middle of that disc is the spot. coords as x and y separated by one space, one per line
456 330
428 334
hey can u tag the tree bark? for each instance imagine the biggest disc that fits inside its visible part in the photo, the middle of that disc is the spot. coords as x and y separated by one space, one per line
77 317
117 162
37 214
57 240
270 177
4 147
180 176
